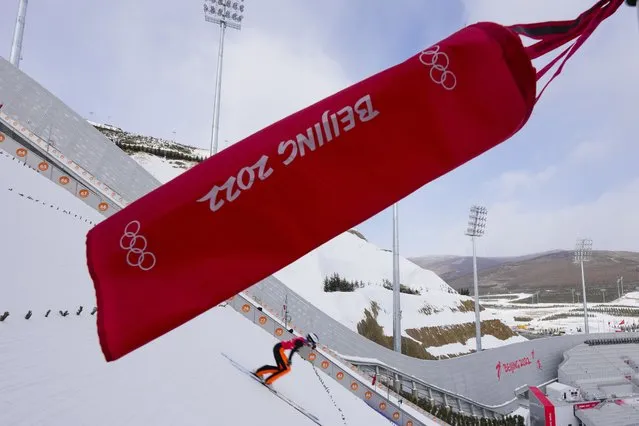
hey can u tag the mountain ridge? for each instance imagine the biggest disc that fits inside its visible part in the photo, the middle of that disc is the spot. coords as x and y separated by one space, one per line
552 273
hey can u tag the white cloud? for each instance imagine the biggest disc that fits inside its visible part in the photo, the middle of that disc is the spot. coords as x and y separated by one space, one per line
592 151
161 64
508 12
610 220
512 182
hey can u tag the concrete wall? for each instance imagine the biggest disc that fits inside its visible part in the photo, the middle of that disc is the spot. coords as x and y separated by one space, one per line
57 130
323 360
57 173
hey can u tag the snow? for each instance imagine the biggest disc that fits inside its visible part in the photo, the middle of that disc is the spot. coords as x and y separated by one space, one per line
629 299
162 169
52 369
487 342
53 373
356 259
523 412
42 260
599 322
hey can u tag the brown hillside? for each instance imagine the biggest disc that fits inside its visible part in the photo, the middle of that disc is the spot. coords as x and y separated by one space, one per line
428 336
554 275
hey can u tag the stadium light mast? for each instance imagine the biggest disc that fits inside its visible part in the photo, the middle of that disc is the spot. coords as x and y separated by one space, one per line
476 228
618 287
583 252
225 13
397 313
18 33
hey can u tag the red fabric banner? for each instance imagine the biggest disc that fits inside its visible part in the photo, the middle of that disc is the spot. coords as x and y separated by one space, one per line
259 205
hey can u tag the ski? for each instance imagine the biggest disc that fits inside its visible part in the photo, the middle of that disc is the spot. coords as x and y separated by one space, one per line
273 391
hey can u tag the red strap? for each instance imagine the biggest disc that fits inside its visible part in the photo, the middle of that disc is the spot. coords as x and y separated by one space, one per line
554 34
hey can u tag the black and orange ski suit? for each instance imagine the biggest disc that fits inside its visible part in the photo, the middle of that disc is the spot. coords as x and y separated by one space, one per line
283 363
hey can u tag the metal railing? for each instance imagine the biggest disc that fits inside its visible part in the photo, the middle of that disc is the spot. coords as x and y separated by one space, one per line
327 361
459 383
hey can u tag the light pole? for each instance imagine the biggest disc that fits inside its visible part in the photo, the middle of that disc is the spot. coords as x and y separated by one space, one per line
18 33
397 313
583 251
572 290
225 13
618 288
603 294
476 228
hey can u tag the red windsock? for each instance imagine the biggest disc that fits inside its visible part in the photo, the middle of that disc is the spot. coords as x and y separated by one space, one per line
262 203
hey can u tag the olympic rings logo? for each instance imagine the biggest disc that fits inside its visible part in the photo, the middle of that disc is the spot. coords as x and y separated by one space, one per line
136 246
438 63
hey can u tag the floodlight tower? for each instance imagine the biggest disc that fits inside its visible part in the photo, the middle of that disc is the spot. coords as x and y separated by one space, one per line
18 33
397 313
618 287
225 13
476 228
583 252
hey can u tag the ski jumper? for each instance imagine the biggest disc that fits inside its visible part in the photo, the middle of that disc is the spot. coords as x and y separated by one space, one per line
283 363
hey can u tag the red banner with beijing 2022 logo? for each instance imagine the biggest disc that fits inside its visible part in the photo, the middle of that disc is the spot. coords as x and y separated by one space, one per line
266 201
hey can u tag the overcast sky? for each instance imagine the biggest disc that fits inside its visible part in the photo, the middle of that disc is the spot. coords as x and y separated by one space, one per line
149 67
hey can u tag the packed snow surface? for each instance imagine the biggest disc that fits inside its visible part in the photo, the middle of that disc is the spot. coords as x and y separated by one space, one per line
52 370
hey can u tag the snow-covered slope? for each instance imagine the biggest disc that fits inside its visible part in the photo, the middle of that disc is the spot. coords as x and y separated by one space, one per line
52 371
355 259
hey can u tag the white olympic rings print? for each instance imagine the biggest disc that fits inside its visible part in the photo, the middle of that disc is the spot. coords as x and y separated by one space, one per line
136 254
438 63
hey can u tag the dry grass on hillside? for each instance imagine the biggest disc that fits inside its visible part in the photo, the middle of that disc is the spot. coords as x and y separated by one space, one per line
428 336
459 333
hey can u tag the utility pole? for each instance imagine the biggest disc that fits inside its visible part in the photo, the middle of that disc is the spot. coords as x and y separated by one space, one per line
476 228
583 252
225 14
18 34
618 287
397 313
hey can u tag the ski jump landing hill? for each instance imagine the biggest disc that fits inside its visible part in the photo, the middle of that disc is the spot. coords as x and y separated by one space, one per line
40 130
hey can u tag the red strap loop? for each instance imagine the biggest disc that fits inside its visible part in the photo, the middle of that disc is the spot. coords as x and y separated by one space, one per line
553 34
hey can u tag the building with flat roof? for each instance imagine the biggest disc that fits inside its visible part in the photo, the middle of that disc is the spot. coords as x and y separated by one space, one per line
598 385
